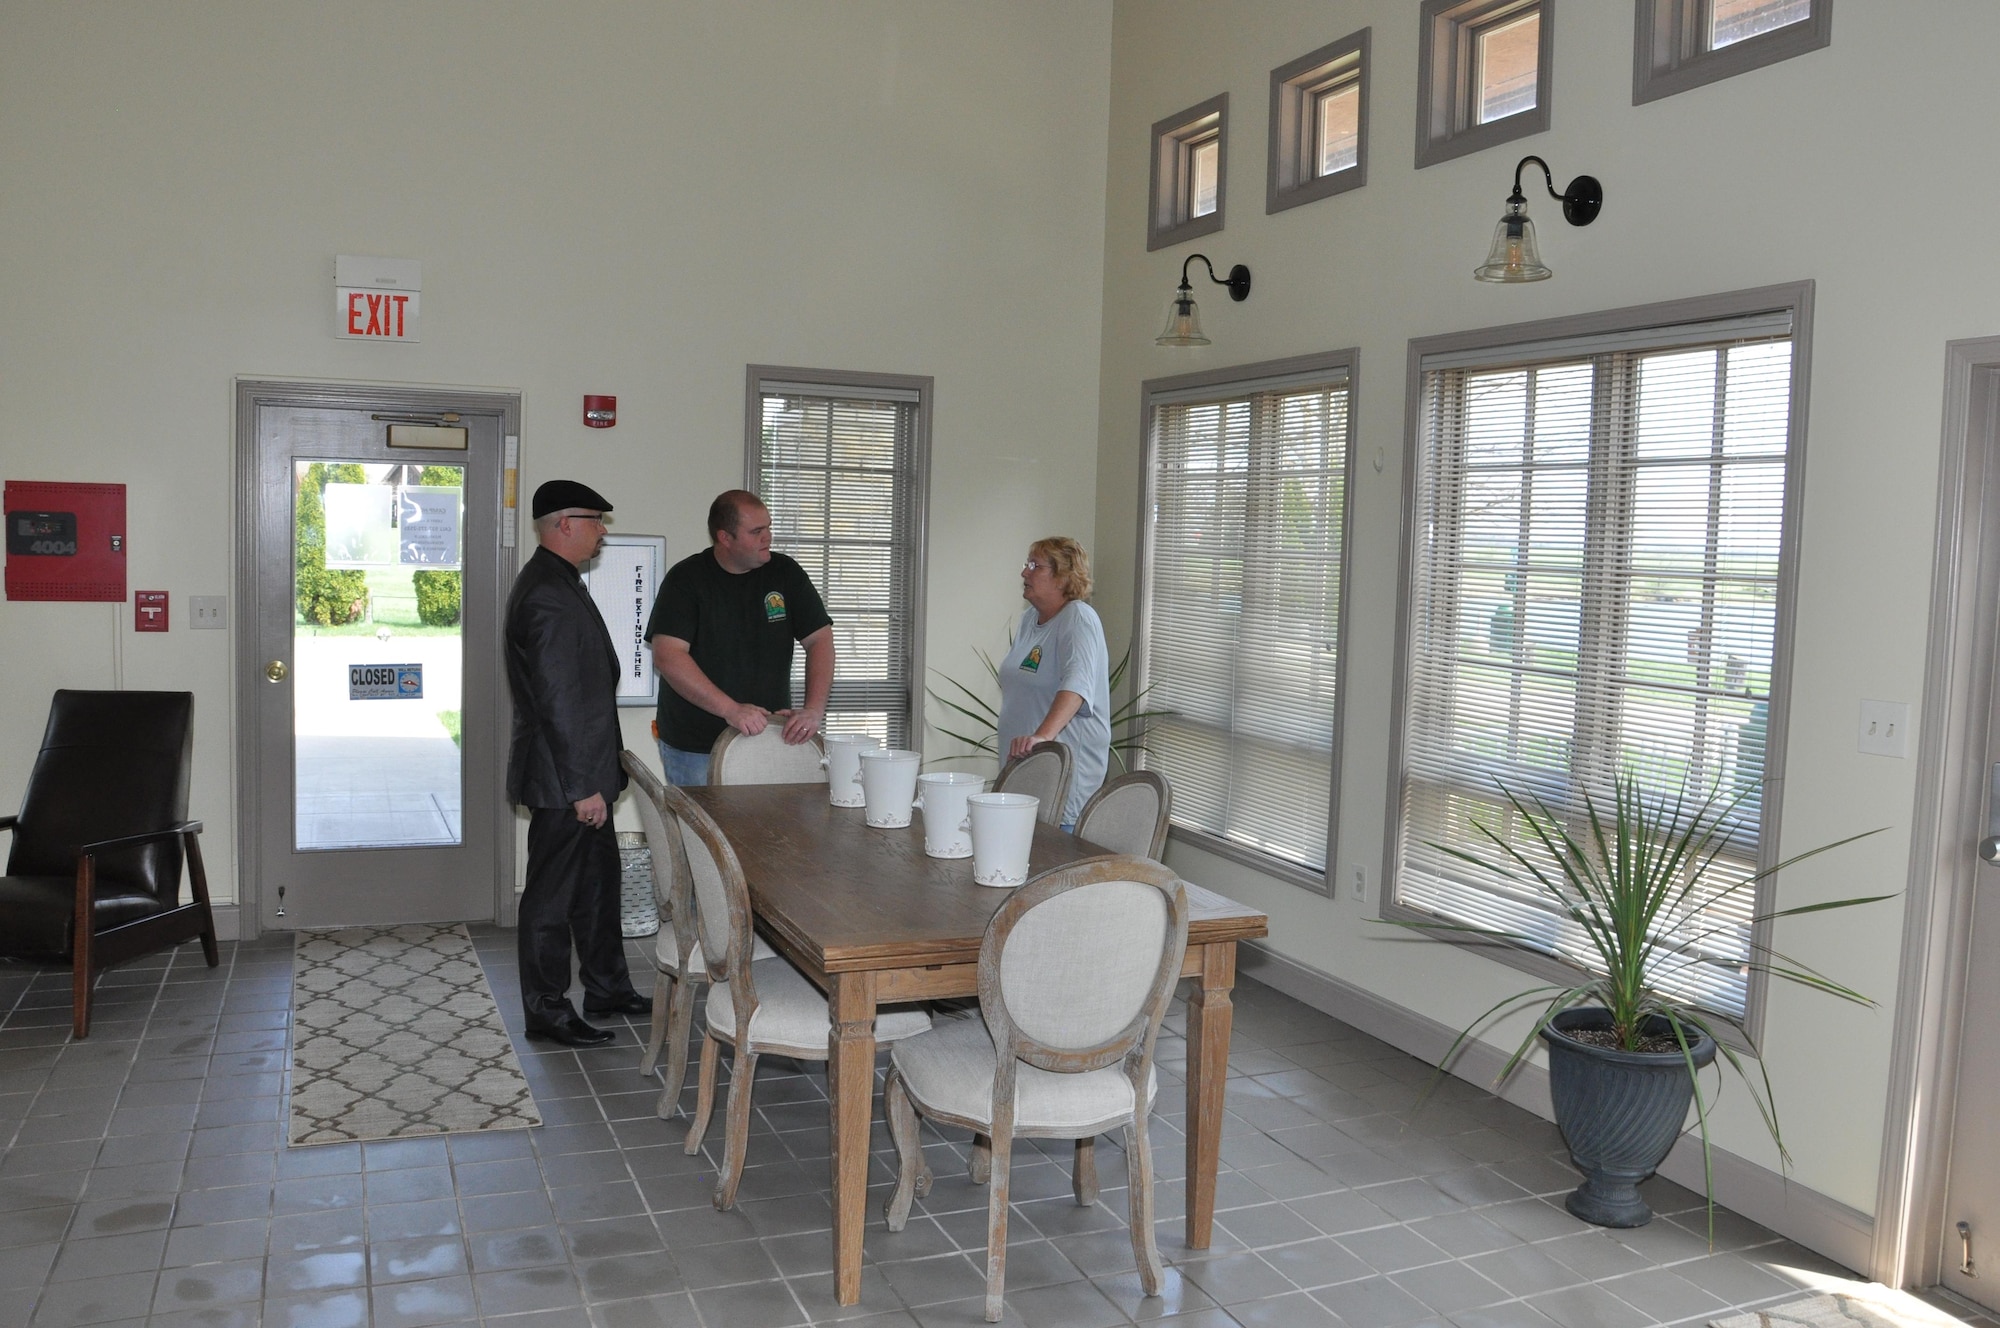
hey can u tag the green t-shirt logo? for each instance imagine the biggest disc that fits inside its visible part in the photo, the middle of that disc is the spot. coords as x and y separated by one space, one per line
774 607
1032 661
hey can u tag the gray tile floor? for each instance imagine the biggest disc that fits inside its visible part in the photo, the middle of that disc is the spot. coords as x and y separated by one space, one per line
145 1182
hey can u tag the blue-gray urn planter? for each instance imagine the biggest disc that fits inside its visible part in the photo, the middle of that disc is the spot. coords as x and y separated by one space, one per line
1619 1112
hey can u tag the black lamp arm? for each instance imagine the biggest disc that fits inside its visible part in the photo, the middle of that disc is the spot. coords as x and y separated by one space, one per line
1238 280
1582 201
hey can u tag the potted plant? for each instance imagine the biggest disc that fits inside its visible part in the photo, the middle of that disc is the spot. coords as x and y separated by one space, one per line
978 719
1625 1052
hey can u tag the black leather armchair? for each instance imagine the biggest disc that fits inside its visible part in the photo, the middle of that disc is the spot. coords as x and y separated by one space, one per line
94 875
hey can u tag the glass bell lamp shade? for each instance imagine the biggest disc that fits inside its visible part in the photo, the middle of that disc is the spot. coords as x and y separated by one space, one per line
1514 256
1183 322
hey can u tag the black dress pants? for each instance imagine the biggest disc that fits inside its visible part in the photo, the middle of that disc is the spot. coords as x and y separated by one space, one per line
572 891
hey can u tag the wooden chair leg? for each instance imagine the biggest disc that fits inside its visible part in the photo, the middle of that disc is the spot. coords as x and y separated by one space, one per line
980 1165
198 887
663 986
82 961
736 1128
1139 1184
680 1024
704 1094
913 1176
1001 1143
1083 1175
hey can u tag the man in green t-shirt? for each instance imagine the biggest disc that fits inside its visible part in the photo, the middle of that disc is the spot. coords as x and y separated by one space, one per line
722 631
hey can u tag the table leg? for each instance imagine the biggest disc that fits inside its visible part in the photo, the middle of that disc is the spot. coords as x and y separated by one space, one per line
1209 1013
850 1090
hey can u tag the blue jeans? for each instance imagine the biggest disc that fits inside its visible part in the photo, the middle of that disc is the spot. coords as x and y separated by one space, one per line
685 769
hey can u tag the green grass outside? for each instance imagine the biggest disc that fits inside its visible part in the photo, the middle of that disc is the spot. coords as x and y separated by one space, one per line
450 720
392 601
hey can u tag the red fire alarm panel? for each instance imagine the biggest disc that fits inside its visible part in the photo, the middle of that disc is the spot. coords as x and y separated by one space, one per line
600 412
65 541
149 610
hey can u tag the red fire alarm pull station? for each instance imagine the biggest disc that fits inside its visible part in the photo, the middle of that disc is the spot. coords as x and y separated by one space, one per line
600 412
65 541
149 610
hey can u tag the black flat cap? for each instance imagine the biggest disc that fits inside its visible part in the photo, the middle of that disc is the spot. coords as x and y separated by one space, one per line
559 494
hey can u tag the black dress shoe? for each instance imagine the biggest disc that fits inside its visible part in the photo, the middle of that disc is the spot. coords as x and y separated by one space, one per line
633 1004
571 1032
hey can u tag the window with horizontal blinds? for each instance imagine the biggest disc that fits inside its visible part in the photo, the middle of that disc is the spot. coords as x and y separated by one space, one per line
1596 588
836 464
1239 624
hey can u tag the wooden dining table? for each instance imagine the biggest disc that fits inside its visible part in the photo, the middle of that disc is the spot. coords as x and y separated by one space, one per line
873 920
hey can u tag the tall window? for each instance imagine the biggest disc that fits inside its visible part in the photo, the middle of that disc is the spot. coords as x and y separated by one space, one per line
1239 622
1484 71
841 459
1319 124
1683 44
1189 185
1599 589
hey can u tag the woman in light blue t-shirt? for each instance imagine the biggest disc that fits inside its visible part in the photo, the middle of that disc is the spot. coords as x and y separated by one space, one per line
1055 682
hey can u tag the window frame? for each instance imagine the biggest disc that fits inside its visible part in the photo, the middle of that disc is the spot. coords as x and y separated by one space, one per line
1671 55
1296 88
1795 298
1249 376
1168 217
1446 65
852 384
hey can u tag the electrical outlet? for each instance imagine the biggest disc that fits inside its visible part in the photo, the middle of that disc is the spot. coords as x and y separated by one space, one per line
208 612
1360 882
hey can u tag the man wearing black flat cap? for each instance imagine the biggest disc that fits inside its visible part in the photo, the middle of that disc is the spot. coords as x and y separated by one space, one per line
563 767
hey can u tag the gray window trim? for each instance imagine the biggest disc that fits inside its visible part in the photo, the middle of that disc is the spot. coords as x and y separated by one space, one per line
1668 54
1795 297
921 388
1288 181
1444 126
1256 377
1166 223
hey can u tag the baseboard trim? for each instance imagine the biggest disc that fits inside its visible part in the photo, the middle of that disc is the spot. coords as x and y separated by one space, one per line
1821 1224
228 921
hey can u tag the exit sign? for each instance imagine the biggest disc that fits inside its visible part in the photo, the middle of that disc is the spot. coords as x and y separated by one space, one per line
376 299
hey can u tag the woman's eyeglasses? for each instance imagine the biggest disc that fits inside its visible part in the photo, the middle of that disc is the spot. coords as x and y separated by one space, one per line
1032 566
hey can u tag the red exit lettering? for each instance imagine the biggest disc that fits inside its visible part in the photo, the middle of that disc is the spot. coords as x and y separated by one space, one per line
372 315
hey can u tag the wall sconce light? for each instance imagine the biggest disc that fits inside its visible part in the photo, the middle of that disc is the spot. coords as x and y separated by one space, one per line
1514 256
1183 319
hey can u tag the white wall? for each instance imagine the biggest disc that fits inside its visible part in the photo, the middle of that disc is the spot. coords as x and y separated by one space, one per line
1862 167
634 199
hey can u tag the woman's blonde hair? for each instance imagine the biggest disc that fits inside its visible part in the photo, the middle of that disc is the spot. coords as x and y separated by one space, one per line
1067 561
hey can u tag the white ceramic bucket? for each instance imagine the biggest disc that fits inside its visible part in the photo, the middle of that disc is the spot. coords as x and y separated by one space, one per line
1003 830
843 767
889 786
947 824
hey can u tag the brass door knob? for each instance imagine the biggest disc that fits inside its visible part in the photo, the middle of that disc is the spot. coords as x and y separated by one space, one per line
275 670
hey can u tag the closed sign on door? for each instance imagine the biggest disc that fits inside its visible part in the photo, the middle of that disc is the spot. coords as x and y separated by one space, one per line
385 682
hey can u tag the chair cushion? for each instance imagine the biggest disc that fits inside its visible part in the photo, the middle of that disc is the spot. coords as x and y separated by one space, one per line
791 1017
667 953
41 913
949 1071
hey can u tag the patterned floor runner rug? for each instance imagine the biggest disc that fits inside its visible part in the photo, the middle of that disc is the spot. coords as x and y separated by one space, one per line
1868 1305
395 1034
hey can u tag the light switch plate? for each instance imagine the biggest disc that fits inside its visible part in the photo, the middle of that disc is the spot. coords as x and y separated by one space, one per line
1885 728
208 613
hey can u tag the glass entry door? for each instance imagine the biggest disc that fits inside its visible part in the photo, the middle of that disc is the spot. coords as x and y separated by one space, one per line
375 696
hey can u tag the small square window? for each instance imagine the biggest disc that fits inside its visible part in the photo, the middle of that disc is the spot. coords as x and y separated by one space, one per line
1319 124
1486 70
1189 168
1682 44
